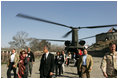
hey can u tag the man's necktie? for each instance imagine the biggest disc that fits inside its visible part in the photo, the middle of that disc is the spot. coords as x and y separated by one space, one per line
44 56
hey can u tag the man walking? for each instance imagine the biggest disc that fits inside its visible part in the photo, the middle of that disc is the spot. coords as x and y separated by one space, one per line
85 64
47 64
63 67
12 64
31 60
59 59
109 62
78 55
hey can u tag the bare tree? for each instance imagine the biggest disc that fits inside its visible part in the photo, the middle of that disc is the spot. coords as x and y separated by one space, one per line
35 44
19 40
43 43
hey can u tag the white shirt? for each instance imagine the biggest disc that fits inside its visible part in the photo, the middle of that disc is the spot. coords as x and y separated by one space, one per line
47 54
12 57
69 56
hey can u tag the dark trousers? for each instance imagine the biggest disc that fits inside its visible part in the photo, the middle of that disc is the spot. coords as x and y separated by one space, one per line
25 73
10 67
58 67
30 67
79 73
45 76
68 61
85 73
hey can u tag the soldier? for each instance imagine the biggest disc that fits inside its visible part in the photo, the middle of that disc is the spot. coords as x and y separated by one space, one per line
85 64
109 62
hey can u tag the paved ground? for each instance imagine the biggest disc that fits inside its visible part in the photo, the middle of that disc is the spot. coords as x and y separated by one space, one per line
70 72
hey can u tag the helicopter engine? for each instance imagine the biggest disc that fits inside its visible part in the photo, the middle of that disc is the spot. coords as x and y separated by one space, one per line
67 43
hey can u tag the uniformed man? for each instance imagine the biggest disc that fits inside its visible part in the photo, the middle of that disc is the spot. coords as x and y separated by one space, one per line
109 62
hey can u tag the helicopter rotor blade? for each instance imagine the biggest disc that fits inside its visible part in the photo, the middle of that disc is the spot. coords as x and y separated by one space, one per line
67 34
87 37
53 40
42 20
102 26
95 35
30 39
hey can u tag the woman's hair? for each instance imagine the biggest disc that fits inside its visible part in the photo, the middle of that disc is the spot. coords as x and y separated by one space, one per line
23 52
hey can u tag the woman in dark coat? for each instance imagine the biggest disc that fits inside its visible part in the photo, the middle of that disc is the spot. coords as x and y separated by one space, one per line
59 60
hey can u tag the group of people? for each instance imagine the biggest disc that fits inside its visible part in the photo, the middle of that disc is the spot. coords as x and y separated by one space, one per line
23 61
50 63
83 62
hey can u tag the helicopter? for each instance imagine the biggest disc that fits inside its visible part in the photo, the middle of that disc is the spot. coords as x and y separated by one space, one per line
70 45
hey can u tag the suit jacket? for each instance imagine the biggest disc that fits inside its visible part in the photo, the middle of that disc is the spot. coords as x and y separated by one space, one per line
89 62
60 60
46 66
16 59
31 56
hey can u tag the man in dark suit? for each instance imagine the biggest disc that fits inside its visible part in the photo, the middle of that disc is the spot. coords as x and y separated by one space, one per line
47 64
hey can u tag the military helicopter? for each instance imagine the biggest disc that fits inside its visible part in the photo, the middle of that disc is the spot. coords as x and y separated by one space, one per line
73 45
